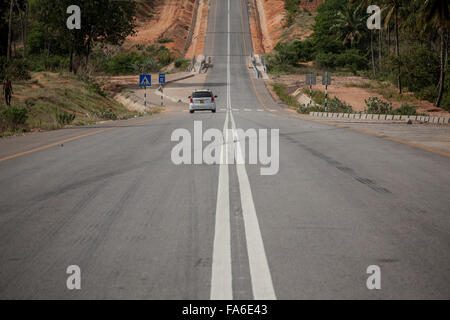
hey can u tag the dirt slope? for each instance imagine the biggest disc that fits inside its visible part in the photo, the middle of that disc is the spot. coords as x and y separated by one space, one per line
165 22
268 24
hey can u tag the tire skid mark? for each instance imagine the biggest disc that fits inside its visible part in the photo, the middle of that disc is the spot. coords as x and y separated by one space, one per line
342 168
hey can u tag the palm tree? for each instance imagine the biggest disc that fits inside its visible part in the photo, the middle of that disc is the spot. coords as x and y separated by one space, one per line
362 5
392 7
436 13
350 25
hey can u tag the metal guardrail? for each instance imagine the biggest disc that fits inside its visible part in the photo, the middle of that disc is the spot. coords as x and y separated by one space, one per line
255 68
192 66
263 61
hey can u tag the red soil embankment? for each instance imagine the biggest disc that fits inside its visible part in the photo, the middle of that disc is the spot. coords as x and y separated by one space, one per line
165 22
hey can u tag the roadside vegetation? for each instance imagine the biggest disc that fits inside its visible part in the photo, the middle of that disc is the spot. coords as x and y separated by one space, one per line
374 105
410 51
49 101
55 71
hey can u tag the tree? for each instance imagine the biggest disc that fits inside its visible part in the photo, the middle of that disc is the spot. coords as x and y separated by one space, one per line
350 25
436 13
105 21
392 7
23 8
8 54
102 21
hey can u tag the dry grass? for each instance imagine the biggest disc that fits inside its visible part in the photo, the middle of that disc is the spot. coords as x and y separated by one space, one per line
47 94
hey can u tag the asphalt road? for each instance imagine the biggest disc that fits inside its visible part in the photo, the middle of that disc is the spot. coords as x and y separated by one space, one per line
111 201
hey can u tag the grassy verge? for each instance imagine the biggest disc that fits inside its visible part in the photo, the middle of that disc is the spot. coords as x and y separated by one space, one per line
280 90
317 96
51 101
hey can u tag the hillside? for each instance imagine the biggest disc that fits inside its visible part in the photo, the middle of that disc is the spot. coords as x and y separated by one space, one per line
50 101
165 22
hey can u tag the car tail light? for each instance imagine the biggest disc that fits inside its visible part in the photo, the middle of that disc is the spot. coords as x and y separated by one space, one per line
192 100
212 99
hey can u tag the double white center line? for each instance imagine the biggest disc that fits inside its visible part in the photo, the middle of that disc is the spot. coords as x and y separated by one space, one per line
221 278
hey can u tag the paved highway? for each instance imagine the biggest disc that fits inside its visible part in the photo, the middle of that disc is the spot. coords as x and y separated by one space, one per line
110 200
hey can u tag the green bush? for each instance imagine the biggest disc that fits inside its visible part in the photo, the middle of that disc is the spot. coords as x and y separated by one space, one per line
39 63
427 93
181 63
333 105
18 69
338 106
165 40
122 63
405 110
64 118
14 117
280 90
351 59
421 69
292 8
94 87
146 66
377 106
108 114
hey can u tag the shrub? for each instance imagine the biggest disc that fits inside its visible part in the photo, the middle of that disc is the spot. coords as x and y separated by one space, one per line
108 114
338 106
377 106
280 90
165 40
405 110
181 63
94 87
146 66
14 117
64 118
18 70
325 60
122 63
334 105
39 63
292 8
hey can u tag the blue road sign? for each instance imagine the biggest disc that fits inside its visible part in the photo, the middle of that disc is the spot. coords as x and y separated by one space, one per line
162 78
145 80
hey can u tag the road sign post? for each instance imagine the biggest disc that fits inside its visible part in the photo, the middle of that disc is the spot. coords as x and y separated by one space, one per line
326 81
145 80
310 80
162 82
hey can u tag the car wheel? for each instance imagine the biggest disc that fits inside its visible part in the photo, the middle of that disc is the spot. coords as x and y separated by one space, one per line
191 111
214 111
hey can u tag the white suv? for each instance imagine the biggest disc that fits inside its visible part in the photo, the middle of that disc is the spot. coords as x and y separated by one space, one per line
202 100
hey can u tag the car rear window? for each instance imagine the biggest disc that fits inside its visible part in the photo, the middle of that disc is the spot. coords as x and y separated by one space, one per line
202 95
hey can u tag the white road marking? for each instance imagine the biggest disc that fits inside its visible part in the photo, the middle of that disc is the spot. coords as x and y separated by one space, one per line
221 275
221 278
261 278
